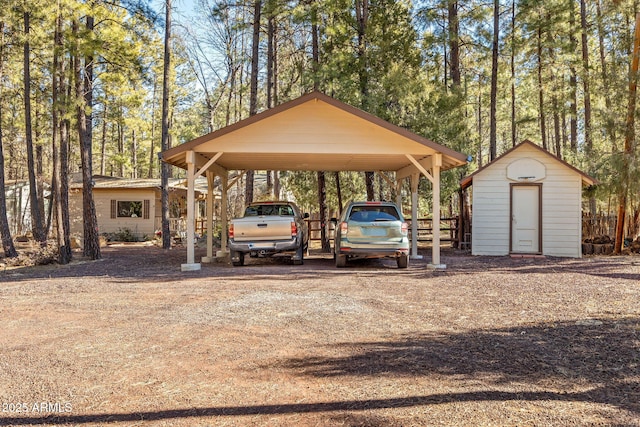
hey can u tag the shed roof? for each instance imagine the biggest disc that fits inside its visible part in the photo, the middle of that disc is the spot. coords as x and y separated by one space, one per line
586 179
317 133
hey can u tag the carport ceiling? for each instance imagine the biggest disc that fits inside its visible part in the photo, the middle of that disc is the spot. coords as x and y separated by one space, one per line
316 133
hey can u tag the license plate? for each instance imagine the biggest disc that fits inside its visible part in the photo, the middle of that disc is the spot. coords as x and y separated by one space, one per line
374 231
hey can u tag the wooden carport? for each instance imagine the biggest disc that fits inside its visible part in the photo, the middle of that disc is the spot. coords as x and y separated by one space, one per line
314 133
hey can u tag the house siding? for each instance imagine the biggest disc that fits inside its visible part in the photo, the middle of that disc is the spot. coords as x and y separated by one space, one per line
561 206
140 226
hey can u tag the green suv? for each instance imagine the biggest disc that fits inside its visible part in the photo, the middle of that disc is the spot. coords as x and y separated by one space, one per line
371 230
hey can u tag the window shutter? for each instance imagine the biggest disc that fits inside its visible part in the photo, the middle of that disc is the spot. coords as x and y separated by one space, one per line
145 209
114 208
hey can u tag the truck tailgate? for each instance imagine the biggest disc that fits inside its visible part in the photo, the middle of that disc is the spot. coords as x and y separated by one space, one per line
262 228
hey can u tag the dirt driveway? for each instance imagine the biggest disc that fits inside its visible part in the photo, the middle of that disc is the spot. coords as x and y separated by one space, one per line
130 340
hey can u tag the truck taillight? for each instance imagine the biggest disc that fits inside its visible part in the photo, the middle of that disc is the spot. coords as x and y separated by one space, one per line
344 228
294 229
405 228
231 231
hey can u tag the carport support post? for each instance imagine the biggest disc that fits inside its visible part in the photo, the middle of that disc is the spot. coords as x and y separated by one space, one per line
210 182
191 265
224 183
435 261
415 179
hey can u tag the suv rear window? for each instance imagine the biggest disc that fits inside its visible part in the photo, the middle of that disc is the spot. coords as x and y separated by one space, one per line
373 213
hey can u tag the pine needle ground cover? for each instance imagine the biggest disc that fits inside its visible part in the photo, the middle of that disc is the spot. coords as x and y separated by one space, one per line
130 340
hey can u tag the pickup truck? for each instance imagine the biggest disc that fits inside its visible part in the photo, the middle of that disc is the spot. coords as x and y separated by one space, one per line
267 229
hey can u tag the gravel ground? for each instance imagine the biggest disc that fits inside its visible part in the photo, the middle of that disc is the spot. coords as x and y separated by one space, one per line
493 341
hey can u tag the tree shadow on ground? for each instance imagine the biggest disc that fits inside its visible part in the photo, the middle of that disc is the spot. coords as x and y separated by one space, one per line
602 355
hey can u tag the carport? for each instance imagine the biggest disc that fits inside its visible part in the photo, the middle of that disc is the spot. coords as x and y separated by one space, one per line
312 133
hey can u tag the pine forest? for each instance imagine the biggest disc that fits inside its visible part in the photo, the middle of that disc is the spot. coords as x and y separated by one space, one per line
101 87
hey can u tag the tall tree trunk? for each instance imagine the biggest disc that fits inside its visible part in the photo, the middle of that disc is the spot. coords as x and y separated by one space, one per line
59 175
134 155
66 90
369 181
120 145
454 43
362 18
271 60
84 94
322 186
555 89
588 139
557 136
255 51
362 21
339 191
103 142
276 185
40 180
37 225
165 167
253 89
271 29
152 144
322 198
629 139
5 231
573 83
513 75
63 178
543 119
609 122
480 159
494 81
315 44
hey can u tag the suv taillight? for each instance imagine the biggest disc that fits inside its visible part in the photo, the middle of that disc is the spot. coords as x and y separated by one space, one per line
231 231
294 229
405 228
344 228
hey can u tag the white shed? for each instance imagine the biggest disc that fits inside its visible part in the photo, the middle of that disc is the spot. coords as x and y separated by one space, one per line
527 201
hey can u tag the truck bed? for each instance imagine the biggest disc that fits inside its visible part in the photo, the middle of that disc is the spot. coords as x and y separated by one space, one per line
262 228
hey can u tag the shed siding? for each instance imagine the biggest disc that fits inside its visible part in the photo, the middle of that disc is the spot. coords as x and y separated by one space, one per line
490 219
561 207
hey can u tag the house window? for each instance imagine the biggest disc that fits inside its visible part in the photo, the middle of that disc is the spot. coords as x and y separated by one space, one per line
130 209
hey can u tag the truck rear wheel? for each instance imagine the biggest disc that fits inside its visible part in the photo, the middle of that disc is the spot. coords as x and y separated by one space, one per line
341 260
298 258
240 261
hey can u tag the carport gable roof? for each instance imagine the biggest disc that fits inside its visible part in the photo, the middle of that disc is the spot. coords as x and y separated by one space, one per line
314 132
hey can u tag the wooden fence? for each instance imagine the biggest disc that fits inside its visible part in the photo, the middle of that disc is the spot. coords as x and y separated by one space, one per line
592 226
449 230
605 225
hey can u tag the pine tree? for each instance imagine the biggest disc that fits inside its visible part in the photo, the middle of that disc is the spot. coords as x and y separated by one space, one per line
5 232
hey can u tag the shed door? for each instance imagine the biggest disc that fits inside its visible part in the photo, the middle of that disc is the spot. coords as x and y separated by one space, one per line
525 219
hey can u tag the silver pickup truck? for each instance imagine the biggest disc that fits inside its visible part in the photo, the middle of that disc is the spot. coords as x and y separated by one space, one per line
267 229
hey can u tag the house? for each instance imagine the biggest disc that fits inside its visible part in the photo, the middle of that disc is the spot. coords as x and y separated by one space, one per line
133 206
527 201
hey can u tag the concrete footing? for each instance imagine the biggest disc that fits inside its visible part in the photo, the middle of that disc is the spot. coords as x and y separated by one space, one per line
190 267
